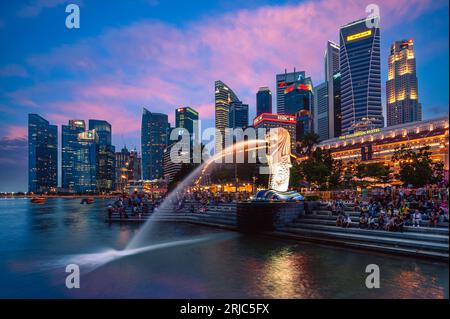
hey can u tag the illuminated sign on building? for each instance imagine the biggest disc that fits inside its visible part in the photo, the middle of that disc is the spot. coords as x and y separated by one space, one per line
359 35
274 118
343 137
304 87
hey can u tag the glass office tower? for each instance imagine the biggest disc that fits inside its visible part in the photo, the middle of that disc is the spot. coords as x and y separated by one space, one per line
42 154
263 101
238 117
154 139
360 76
85 162
105 170
223 97
69 139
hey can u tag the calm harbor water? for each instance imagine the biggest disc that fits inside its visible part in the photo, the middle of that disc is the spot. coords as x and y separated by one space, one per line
38 241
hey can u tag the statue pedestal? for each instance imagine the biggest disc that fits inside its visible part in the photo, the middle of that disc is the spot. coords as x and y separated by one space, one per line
258 216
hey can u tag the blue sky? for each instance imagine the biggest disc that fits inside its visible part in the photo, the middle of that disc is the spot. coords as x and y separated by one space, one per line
165 54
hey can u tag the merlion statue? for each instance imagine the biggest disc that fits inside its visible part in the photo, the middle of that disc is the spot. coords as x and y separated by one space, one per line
279 158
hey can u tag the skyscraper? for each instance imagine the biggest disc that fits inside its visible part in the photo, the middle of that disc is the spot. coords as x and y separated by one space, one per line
223 97
298 101
359 61
127 168
105 155
401 87
327 110
85 162
185 118
284 80
42 154
238 117
321 118
69 139
103 130
122 162
135 166
299 96
154 131
263 101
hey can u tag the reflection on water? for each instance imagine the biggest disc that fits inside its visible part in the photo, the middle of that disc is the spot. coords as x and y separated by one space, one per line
185 261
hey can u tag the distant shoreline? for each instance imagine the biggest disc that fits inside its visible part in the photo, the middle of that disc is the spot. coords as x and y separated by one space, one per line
57 196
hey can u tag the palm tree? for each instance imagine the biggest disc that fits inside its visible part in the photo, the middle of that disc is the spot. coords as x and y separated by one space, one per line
307 143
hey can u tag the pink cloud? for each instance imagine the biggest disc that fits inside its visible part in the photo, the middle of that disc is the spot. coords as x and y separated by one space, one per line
160 66
120 117
12 132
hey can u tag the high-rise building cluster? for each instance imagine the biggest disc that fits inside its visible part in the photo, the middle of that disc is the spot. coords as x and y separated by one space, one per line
347 102
89 162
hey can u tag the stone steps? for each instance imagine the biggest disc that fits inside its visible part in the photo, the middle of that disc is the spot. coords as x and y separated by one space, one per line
372 239
332 222
354 216
405 235
442 256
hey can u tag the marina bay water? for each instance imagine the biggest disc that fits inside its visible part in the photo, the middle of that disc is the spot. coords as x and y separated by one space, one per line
185 261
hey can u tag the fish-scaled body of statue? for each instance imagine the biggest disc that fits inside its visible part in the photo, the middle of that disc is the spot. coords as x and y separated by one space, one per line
279 158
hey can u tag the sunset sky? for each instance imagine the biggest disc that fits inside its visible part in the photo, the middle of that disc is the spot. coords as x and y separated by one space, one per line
164 54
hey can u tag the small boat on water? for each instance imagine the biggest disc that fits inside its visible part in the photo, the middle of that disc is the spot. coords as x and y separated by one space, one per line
38 200
88 200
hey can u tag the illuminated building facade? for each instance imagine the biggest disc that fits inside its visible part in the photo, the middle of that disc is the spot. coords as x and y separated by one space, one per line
69 139
298 101
283 81
85 162
238 116
185 118
360 70
268 121
223 97
378 145
122 161
127 168
298 96
170 168
42 154
327 96
105 158
263 101
401 87
321 117
154 138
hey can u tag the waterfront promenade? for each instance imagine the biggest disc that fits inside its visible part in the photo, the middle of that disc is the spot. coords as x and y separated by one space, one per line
319 226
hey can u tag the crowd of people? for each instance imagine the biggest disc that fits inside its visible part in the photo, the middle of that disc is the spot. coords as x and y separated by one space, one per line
139 205
392 213
136 205
206 199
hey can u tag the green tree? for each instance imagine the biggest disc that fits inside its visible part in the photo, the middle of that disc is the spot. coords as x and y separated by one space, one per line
317 168
416 167
348 174
378 171
307 143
